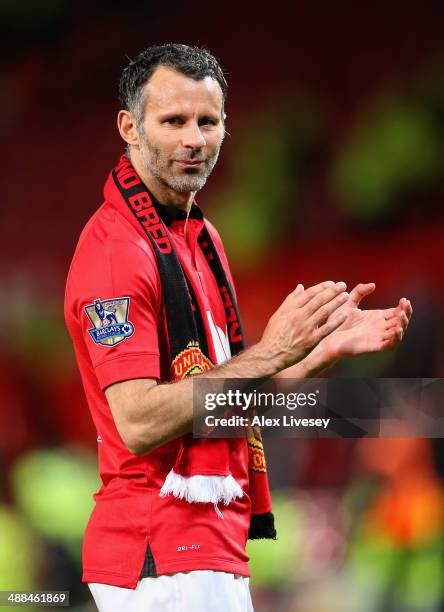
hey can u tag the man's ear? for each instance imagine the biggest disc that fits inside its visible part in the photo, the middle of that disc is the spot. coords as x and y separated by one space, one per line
126 124
226 132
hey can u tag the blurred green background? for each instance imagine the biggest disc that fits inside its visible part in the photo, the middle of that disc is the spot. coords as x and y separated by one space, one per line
333 169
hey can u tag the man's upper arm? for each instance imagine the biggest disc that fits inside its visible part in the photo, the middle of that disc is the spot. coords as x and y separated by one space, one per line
115 297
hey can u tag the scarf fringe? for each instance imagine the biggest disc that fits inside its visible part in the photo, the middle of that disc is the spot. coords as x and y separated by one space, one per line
205 489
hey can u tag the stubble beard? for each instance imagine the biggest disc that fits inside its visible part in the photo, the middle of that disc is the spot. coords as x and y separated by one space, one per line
161 167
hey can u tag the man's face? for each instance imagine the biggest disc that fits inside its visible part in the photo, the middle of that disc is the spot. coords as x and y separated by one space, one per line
182 129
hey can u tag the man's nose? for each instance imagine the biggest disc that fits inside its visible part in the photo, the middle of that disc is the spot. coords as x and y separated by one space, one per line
192 137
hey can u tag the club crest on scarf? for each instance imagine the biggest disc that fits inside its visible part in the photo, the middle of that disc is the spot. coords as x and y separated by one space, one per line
256 455
110 320
189 362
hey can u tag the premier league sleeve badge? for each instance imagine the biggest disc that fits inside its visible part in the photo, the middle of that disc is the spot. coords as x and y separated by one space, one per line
110 321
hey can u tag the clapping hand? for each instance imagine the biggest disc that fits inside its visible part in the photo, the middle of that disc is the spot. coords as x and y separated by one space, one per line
367 331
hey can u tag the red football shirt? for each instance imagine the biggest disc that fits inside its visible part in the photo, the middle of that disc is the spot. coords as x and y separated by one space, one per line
113 271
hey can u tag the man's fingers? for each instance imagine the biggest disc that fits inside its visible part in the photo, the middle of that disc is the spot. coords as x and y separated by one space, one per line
397 321
393 335
406 306
388 343
393 330
394 327
403 306
389 313
322 314
294 294
331 325
323 297
304 297
398 318
361 291
403 319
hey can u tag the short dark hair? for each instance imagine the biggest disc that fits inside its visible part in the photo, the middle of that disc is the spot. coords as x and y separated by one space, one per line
194 62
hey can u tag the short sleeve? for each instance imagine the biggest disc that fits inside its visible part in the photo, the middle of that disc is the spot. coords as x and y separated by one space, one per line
115 298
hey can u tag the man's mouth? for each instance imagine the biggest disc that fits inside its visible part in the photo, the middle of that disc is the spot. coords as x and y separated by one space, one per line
189 162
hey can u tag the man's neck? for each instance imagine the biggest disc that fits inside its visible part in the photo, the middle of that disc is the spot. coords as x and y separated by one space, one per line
162 193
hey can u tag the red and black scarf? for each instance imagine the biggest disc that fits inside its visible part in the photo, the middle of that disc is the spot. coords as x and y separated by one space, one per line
201 471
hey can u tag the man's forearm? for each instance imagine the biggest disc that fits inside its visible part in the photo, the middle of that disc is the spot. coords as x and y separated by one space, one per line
148 415
170 405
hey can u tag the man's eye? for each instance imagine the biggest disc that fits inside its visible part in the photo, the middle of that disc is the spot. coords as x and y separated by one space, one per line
207 121
173 121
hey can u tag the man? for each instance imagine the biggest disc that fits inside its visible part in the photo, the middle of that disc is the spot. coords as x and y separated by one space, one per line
171 520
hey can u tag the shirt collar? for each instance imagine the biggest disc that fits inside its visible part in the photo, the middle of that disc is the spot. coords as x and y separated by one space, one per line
169 213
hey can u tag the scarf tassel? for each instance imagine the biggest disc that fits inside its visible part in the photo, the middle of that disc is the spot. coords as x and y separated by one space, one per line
205 489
